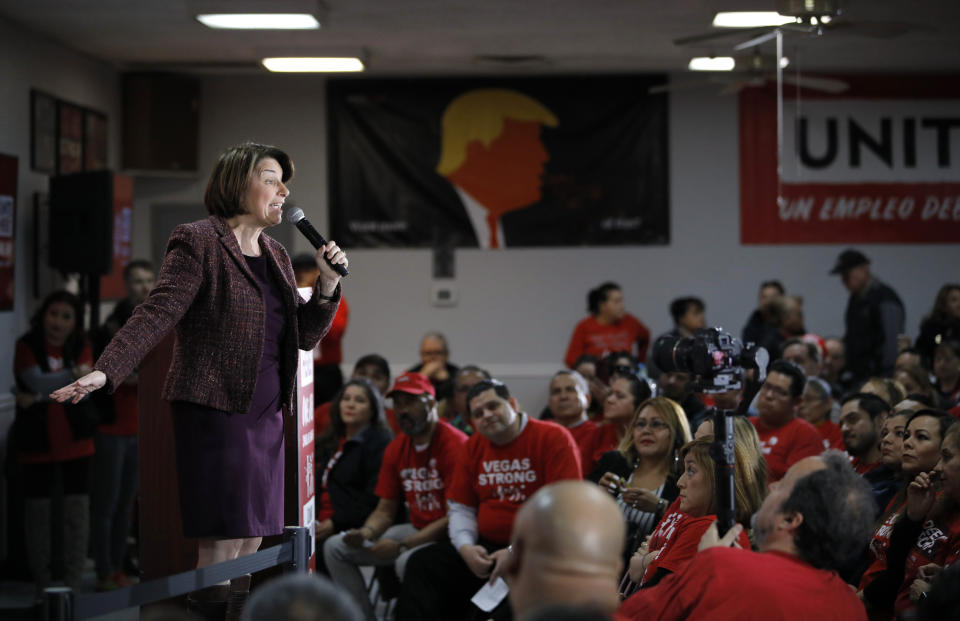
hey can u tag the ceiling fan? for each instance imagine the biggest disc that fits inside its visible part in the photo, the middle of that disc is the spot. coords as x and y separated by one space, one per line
813 18
754 70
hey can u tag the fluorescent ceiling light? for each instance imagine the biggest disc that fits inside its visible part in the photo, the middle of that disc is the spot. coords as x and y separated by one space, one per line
260 21
751 19
711 63
305 65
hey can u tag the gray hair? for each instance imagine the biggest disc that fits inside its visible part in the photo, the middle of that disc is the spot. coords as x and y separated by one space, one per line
300 597
838 511
579 379
819 386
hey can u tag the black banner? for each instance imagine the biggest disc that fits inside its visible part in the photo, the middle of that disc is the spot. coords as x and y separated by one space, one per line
498 162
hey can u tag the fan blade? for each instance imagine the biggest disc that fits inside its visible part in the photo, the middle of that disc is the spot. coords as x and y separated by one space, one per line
817 83
719 34
877 29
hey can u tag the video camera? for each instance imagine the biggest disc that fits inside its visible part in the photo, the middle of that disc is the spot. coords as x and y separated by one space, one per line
715 358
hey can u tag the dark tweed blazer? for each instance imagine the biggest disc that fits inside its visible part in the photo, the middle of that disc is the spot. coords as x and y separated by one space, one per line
206 290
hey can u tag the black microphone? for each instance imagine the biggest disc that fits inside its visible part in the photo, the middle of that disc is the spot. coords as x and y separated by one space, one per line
313 236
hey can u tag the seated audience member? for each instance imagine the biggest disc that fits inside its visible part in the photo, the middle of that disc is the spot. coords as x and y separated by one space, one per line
300 597
348 458
923 434
435 364
941 324
677 536
375 369
861 417
946 368
589 367
763 325
814 522
942 599
834 368
626 393
815 407
564 550
608 328
642 473
744 436
927 532
567 402
915 381
910 356
509 458
884 387
785 438
417 468
804 354
679 386
620 364
328 354
454 411
688 314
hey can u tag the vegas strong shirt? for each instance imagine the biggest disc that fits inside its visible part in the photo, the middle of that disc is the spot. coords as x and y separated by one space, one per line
497 480
421 477
784 446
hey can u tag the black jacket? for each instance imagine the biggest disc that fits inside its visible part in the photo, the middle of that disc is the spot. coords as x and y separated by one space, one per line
874 319
353 479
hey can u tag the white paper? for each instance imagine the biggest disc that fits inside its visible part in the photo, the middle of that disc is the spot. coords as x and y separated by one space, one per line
490 595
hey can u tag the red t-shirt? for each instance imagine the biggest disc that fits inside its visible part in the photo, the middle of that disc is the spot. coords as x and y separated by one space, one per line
721 584
939 543
784 446
880 543
582 434
329 350
62 445
497 480
832 435
595 339
420 476
681 535
603 438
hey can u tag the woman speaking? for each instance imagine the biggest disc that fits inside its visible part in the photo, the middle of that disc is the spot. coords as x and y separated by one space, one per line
230 293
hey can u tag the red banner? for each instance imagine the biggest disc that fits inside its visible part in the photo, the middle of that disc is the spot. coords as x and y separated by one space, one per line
305 432
879 163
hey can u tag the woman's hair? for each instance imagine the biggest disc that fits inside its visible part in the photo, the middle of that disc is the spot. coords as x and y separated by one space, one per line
944 420
75 341
337 430
748 494
231 176
639 389
889 390
746 439
920 376
940 312
598 295
673 415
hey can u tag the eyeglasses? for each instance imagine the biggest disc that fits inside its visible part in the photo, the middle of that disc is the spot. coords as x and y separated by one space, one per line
780 392
655 425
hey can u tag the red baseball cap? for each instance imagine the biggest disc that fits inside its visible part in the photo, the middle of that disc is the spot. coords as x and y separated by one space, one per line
413 383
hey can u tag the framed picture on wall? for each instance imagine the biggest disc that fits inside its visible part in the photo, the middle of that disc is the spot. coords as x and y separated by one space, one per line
69 138
43 132
94 140
45 278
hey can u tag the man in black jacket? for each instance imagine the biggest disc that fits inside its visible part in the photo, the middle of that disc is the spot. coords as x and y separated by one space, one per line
874 318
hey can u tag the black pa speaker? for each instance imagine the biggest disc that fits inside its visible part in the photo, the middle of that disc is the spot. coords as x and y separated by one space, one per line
81 222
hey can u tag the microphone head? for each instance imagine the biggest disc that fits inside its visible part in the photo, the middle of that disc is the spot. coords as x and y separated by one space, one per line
295 215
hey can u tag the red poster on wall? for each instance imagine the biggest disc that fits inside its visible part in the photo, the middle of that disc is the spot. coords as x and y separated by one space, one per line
879 163
8 212
111 285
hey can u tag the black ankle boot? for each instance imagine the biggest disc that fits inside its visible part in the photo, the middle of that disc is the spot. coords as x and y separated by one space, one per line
210 603
237 597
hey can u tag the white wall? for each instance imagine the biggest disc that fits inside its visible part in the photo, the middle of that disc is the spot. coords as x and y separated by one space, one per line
26 62
517 307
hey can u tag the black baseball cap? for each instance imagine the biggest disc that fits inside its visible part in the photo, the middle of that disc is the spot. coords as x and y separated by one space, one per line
849 259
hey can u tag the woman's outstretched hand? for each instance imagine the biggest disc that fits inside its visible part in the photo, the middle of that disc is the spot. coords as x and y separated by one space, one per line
80 388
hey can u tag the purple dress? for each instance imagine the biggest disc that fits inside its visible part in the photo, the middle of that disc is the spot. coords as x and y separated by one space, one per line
230 465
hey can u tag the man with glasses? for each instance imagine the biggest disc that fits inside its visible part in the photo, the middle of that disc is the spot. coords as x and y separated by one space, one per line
502 465
784 438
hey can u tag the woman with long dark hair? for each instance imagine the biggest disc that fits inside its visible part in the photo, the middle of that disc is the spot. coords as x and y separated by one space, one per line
348 457
52 440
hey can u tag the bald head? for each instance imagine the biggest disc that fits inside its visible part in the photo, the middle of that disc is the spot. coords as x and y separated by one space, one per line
567 542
